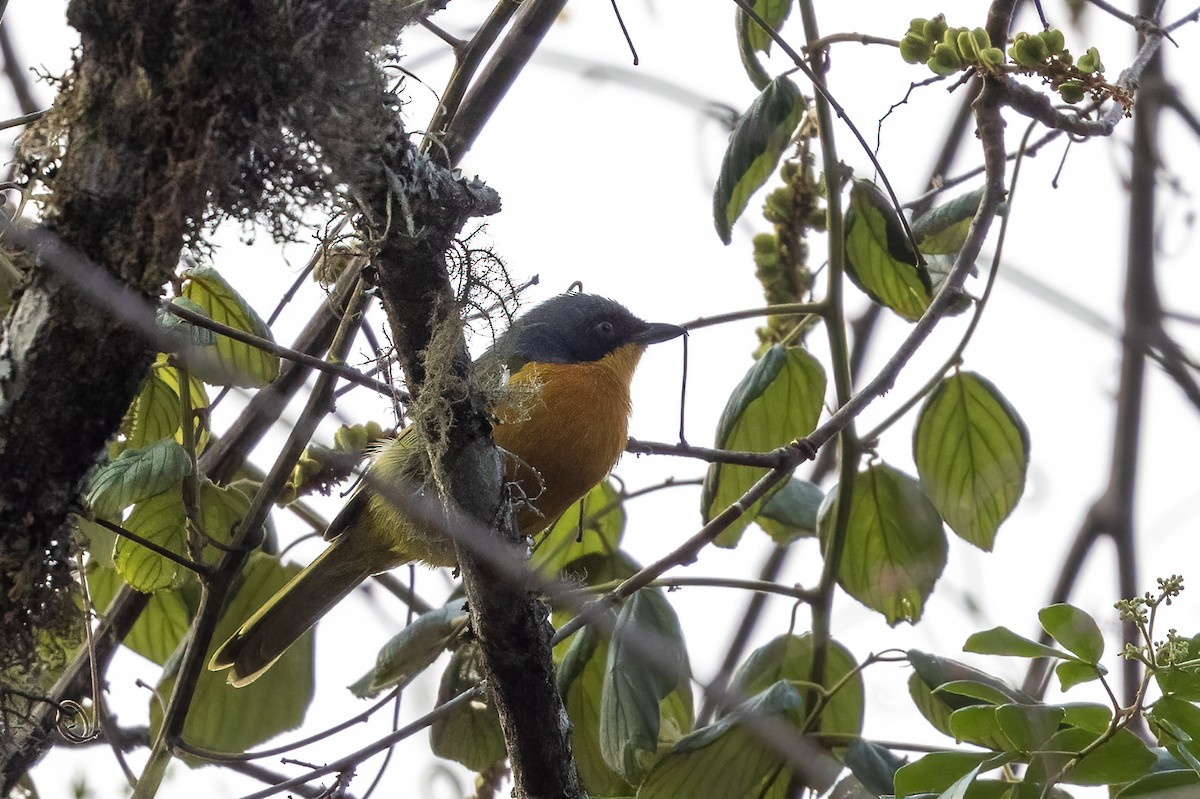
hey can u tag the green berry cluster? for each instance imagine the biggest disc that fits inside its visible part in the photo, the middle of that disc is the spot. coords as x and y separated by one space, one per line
1046 54
947 50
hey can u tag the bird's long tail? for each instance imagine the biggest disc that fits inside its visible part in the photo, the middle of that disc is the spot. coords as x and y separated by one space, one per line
294 609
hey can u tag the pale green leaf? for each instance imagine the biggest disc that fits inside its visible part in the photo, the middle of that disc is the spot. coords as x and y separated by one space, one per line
790 657
773 12
879 257
791 512
191 333
413 649
895 548
470 734
1003 641
235 363
778 401
972 451
1029 726
943 230
229 719
593 525
755 147
978 725
634 686
1075 629
137 474
725 759
581 681
160 626
156 412
1074 672
159 520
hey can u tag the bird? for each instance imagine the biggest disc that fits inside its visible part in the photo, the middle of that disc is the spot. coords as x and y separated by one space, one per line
561 416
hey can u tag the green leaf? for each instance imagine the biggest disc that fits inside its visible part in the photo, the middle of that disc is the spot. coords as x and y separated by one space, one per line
235 363
160 626
879 257
755 147
1182 683
581 681
156 414
1122 758
725 759
222 508
191 333
778 401
603 517
943 230
634 686
1073 672
791 512
1176 724
1003 641
790 657
1088 716
137 474
1075 629
873 765
1174 784
230 719
971 450
160 520
773 12
471 734
989 694
895 547
932 673
1029 726
938 771
978 725
413 649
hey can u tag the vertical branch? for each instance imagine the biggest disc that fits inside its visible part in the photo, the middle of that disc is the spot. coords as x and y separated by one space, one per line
835 324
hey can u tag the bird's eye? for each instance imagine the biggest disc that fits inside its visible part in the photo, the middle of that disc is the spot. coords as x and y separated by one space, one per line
605 328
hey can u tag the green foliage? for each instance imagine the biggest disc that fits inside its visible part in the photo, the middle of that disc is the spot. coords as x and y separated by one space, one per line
229 362
791 512
779 400
413 649
790 658
1078 744
594 525
727 758
879 257
470 734
755 147
895 548
972 451
229 719
137 475
647 661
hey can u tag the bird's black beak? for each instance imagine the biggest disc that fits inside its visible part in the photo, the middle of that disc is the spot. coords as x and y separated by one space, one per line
657 332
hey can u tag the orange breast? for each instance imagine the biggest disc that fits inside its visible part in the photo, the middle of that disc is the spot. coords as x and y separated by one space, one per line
565 425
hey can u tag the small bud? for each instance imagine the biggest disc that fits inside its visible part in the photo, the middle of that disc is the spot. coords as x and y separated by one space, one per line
1090 61
1029 52
1054 40
934 28
992 59
1066 57
966 46
945 60
914 49
1072 91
